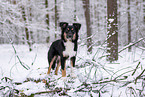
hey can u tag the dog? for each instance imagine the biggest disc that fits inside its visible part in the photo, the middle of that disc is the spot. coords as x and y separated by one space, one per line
64 48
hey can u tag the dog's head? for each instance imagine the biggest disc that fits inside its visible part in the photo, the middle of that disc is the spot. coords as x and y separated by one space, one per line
69 32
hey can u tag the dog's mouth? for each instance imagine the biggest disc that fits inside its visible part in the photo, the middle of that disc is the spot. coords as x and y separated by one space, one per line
69 37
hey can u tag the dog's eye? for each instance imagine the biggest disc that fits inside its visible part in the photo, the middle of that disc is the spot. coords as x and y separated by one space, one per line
72 29
67 28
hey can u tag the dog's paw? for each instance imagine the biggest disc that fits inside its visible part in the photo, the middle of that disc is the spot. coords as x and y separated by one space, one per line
64 79
73 75
48 76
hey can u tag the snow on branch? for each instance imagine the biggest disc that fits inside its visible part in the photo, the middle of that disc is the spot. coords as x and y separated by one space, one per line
131 44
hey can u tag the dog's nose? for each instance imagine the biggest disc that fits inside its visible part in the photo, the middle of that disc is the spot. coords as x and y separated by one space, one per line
69 36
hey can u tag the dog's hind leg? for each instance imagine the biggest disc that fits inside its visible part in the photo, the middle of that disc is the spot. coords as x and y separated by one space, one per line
50 64
58 65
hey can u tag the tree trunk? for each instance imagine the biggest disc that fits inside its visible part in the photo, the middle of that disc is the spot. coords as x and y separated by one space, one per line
97 20
1 33
16 38
129 26
56 17
88 24
75 17
112 31
13 1
144 10
47 19
47 14
27 32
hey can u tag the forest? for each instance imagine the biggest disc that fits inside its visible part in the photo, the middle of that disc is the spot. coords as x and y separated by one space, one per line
110 59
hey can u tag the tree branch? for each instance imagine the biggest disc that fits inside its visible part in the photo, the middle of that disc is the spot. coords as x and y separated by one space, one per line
135 69
139 76
131 44
11 42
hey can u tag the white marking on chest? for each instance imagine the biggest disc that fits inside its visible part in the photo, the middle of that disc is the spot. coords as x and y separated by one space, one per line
69 49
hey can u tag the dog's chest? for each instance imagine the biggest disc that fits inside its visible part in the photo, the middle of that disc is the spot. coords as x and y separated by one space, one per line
69 49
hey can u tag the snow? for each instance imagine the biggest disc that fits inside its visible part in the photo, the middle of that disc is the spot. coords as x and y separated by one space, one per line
31 87
94 75
88 71
110 20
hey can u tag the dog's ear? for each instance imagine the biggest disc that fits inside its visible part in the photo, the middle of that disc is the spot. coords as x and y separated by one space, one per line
63 25
77 25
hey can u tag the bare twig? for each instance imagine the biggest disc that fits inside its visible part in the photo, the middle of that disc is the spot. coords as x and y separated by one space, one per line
52 91
11 42
139 76
108 81
135 69
34 59
26 67
131 44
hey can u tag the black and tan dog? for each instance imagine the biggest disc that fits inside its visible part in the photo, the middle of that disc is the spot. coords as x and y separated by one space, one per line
65 48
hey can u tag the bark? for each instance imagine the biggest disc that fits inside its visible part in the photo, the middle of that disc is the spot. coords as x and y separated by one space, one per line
47 19
144 11
88 24
56 17
75 17
47 14
129 26
112 31
27 32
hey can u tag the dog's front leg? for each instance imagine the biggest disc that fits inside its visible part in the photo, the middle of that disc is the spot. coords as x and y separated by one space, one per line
63 67
72 67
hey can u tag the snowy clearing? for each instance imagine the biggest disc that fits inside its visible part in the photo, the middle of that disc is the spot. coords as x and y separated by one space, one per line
95 76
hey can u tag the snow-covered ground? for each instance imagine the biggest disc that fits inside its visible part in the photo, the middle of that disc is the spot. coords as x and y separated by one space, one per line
95 76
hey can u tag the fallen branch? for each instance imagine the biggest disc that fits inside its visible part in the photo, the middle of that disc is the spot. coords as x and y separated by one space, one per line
108 81
139 76
60 91
131 44
135 69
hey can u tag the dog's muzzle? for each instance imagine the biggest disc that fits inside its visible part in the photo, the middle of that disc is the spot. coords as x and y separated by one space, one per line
69 35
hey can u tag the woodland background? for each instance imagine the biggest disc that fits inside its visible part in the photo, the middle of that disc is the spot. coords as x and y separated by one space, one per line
36 21
110 59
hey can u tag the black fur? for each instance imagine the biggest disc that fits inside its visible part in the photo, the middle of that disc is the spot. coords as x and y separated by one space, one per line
58 46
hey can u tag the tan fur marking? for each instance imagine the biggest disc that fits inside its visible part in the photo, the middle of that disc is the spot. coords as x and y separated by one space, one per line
64 72
65 36
51 63
74 36
71 62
